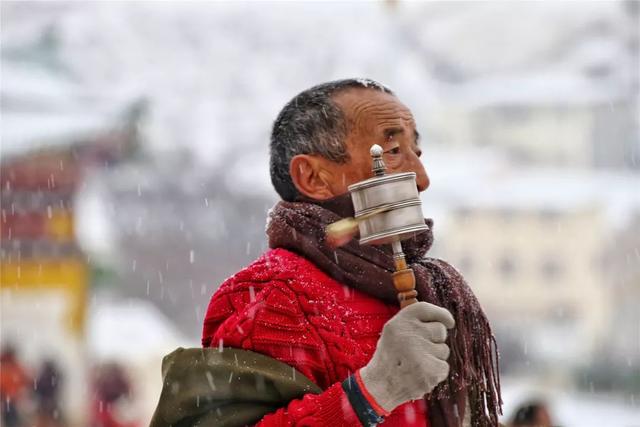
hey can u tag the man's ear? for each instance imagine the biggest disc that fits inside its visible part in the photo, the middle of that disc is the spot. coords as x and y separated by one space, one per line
309 176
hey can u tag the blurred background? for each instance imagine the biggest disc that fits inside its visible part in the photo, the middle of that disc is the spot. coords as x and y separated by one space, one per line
135 179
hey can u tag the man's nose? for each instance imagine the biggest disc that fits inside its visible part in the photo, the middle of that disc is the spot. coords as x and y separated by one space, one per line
422 179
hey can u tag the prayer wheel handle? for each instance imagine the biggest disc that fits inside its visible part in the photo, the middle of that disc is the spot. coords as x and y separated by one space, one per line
404 279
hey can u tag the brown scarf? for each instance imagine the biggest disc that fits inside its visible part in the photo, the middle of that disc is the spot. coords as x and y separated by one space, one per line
300 227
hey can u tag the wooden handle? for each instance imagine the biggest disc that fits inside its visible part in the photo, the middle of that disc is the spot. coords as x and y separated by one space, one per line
405 283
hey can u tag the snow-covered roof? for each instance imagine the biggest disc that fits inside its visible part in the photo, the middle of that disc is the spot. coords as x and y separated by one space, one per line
46 108
27 83
23 132
130 330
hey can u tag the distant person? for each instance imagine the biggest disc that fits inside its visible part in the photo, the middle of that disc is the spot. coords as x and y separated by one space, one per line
47 395
14 385
532 414
111 391
311 334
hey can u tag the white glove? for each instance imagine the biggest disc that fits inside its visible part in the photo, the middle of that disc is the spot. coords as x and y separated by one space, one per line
410 357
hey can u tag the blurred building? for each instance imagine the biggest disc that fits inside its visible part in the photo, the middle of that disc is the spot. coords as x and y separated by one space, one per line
575 104
537 246
623 273
537 270
585 133
48 145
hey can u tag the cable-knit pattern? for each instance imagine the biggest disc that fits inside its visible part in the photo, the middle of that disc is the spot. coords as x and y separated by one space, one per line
283 306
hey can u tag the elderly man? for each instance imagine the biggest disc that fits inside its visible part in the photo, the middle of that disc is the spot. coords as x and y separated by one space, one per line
312 335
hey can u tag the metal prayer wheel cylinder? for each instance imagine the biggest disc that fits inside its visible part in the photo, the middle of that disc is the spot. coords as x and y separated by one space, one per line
396 195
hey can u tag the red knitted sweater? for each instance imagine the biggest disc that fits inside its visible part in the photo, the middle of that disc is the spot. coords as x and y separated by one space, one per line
283 306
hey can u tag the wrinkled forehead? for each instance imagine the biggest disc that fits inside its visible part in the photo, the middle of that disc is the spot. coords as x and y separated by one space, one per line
369 110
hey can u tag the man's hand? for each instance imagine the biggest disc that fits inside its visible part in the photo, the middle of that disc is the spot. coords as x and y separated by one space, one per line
411 355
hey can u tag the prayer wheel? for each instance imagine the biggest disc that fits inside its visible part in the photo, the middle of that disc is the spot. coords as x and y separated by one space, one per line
388 210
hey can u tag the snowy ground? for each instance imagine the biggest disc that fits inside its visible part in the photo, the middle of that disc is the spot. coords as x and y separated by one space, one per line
571 408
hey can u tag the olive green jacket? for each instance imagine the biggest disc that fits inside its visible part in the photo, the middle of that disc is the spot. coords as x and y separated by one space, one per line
206 387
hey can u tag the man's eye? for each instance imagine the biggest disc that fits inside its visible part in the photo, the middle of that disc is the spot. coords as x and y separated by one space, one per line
394 150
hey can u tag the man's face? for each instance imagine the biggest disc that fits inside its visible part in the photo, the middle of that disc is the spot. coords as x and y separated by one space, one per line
376 117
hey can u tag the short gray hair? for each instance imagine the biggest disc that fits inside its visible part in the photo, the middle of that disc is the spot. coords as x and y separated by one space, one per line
311 123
